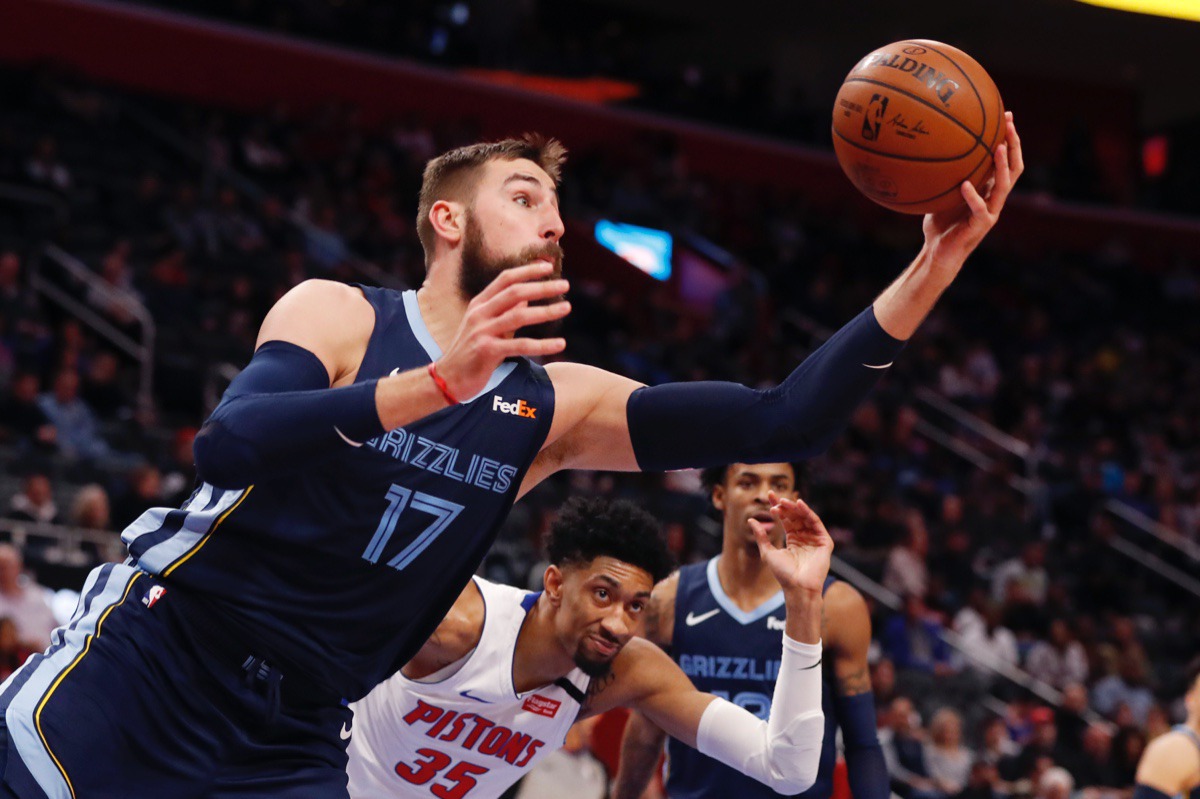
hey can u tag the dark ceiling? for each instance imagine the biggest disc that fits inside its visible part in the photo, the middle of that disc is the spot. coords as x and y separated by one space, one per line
814 44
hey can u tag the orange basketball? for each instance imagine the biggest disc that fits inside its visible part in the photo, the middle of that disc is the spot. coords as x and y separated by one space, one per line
912 121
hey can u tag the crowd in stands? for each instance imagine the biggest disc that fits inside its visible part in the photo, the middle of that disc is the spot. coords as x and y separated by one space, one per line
1087 357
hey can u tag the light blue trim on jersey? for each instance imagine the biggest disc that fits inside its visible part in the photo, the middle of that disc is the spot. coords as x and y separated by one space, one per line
727 605
417 322
202 513
22 726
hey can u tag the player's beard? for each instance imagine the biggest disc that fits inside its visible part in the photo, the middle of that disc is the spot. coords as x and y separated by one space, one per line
593 668
479 269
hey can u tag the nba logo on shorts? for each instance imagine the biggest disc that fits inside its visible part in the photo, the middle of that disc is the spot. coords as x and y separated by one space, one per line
153 596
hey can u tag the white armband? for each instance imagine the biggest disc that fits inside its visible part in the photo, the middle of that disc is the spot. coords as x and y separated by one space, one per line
783 752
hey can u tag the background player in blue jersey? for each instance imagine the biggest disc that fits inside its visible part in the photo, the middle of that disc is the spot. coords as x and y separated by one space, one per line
1170 766
718 619
355 474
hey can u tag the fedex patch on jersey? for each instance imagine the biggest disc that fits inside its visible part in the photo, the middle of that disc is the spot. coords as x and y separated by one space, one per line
542 705
519 408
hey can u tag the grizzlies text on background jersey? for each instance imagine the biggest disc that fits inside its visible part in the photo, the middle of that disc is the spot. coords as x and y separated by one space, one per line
227 641
733 654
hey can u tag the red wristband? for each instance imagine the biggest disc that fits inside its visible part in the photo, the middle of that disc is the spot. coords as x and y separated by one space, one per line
441 384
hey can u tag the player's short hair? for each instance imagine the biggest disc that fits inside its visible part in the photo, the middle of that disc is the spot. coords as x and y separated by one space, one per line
715 476
590 528
452 175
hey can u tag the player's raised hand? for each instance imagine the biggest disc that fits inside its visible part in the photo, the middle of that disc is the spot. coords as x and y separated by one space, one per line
954 234
486 335
803 563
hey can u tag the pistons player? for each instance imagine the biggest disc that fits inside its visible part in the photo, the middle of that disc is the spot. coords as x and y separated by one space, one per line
506 674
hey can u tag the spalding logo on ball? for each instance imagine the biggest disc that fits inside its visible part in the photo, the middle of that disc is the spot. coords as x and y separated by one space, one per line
912 121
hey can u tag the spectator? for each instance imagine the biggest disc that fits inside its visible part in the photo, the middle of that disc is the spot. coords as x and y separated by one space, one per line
1043 745
35 502
1060 660
12 653
90 509
1127 687
948 761
143 491
905 571
998 748
24 601
179 469
1093 768
101 390
45 169
1127 747
21 414
913 640
1055 783
1069 717
983 783
983 635
904 751
78 435
1024 578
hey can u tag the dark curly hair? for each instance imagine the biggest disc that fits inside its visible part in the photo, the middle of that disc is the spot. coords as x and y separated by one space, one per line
715 476
590 528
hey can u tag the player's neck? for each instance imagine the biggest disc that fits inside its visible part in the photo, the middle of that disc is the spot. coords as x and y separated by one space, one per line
442 305
539 659
745 578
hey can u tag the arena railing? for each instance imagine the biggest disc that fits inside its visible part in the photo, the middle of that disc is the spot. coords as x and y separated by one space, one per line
1007 671
142 352
1030 485
68 540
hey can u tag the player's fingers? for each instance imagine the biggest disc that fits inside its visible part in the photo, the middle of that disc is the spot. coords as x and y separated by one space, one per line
521 293
975 201
531 347
517 274
1016 155
760 536
525 315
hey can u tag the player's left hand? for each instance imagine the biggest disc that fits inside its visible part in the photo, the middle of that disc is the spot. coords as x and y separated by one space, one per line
953 235
803 563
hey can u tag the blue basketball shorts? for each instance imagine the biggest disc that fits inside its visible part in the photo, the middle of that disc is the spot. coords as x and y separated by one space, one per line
143 696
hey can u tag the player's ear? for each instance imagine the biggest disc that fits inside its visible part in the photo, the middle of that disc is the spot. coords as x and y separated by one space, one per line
718 497
553 582
449 220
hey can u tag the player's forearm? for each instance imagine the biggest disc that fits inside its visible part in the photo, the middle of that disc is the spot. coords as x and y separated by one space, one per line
904 304
280 415
803 615
798 418
640 748
784 752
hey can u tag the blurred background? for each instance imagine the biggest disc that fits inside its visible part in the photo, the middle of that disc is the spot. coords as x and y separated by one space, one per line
1023 486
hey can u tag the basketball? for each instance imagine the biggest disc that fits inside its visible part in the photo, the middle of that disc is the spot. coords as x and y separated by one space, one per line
912 121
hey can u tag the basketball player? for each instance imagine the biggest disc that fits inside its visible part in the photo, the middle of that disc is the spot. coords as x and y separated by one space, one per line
356 472
1170 766
725 611
504 676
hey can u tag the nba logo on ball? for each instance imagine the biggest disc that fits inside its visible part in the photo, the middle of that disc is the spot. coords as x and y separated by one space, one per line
913 121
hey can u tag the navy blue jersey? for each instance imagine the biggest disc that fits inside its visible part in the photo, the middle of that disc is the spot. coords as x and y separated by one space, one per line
734 654
342 571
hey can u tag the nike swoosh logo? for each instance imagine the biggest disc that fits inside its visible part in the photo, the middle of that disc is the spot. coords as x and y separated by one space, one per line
347 440
467 694
692 619
345 733
394 372
879 366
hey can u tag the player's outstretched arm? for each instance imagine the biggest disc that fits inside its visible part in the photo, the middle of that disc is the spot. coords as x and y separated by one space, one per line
280 415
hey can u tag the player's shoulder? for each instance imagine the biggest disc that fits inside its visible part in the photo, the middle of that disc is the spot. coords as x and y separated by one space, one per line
1172 752
844 602
320 315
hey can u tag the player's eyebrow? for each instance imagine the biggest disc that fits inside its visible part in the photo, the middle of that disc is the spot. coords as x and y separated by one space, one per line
617 585
525 177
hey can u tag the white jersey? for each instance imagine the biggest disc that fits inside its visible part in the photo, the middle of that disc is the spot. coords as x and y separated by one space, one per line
463 731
